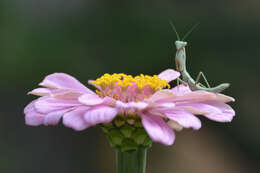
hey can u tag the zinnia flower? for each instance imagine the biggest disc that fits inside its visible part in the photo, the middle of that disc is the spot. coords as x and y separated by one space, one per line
150 98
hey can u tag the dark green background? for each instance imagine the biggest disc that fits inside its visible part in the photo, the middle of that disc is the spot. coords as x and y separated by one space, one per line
86 38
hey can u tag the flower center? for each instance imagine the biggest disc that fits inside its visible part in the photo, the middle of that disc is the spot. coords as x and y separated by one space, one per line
128 88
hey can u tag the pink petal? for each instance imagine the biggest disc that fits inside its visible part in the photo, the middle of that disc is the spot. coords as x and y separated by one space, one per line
147 91
162 96
160 108
109 101
75 119
181 89
53 118
30 107
175 125
131 105
66 94
157 129
137 105
132 92
90 82
224 98
40 91
184 118
90 99
169 75
199 95
184 94
46 104
121 105
213 110
196 96
101 114
32 117
64 81
93 99
167 105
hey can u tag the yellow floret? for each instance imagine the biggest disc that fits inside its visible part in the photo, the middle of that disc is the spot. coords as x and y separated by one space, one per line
123 80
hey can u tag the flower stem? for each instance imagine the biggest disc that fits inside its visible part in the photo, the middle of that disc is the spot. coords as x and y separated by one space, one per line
131 161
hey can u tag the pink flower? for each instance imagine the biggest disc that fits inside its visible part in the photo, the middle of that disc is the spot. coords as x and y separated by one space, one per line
161 110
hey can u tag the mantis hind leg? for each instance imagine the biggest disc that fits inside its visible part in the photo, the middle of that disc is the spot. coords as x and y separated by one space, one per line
204 77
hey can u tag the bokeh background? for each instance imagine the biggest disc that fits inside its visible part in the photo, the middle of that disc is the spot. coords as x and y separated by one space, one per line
87 38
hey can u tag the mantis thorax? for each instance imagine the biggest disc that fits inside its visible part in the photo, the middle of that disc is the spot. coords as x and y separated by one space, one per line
180 59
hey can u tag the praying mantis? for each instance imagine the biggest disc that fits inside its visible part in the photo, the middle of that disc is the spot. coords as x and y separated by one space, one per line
180 61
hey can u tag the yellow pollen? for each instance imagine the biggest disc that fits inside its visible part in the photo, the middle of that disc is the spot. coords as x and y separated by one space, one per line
123 80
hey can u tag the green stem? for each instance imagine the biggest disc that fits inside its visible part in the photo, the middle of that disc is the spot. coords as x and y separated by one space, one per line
131 161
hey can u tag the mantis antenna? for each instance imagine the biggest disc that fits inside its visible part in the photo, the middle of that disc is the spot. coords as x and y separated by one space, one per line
173 27
190 31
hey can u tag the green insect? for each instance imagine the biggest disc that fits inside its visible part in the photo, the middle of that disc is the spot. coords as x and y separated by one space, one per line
180 61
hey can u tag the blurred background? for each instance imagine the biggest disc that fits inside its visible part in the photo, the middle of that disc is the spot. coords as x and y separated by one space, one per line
87 38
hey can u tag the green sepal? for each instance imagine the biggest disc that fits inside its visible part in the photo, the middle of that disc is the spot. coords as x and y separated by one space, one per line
119 121
128 145
139 136
127 130
148 142
115 137
127 133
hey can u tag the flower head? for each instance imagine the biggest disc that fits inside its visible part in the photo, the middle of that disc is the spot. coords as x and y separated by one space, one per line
160 109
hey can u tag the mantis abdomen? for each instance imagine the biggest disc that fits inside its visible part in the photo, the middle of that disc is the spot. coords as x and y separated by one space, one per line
217 89
198 86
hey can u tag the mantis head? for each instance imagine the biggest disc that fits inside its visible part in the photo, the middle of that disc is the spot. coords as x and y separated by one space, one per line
180 44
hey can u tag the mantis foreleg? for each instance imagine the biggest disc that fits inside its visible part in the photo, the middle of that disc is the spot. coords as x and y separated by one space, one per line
181 81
